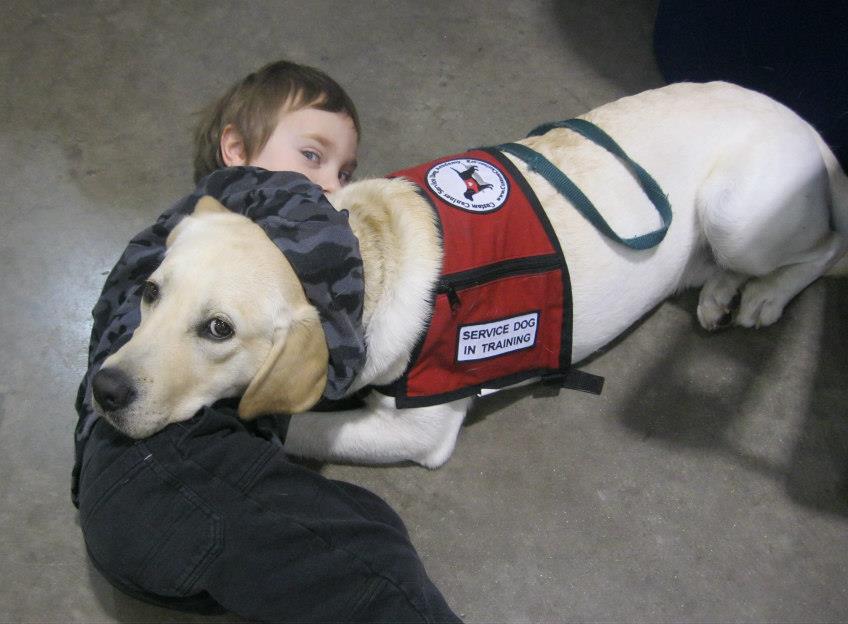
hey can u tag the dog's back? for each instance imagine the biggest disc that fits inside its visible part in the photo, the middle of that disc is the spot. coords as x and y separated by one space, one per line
751 187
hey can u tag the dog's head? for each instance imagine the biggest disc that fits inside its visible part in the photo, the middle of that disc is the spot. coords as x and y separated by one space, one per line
224 315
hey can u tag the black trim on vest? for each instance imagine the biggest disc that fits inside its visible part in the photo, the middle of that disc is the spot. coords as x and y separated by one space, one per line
567 302
565 376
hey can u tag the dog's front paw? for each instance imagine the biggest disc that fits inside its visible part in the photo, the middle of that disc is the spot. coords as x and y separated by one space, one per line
442 425
437 457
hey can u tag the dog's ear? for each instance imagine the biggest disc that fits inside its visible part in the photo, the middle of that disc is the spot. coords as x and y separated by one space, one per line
208 205
293 375
205 205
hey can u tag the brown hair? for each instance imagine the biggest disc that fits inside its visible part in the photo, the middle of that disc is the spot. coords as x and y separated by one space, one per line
253 104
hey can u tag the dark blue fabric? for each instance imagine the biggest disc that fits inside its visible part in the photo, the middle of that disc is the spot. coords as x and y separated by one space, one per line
207 516
796 52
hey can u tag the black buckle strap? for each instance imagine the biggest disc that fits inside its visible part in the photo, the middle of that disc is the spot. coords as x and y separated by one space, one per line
575 379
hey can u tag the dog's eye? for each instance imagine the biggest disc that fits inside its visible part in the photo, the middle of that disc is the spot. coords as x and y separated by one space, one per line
219 329
150 292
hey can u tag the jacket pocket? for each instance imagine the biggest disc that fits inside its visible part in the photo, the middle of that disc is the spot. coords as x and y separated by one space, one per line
145 528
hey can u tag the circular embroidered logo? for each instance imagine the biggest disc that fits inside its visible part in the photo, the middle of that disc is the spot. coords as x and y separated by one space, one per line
471 184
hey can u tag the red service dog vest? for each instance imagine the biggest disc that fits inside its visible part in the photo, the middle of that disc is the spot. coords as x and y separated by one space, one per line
502 310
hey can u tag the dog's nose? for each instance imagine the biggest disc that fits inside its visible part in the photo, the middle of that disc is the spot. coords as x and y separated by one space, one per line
112 389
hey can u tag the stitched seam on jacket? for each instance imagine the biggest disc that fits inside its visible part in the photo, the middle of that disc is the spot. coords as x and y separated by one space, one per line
125 477
251 474
316 535
216 536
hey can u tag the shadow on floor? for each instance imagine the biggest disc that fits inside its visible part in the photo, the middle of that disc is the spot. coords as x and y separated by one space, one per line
707 402
695 398
817 476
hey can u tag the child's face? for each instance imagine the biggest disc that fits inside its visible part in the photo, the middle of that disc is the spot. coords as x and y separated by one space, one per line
319 144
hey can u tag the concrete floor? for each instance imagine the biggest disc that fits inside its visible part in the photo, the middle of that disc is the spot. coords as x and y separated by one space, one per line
708 483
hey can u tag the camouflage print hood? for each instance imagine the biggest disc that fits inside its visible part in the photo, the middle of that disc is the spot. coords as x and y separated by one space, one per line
315 238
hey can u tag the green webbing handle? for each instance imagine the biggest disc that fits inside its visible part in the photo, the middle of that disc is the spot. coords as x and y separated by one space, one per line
568 189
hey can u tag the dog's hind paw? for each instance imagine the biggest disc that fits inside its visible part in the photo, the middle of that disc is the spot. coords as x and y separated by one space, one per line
719 300
713 316
761 305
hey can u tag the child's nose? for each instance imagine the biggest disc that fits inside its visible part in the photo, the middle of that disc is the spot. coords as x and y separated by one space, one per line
330 184
328 179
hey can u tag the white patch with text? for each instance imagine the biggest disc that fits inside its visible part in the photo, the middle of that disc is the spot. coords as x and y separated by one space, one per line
486 340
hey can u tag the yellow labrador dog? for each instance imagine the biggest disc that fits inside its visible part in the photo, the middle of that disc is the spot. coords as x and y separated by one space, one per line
760 207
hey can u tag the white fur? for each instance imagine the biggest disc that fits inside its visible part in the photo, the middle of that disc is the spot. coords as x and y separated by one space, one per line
752 187
753 191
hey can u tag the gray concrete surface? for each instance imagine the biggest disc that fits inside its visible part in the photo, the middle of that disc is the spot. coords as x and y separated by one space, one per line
708 483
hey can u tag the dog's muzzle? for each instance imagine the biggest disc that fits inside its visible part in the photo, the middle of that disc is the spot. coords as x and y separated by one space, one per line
112 390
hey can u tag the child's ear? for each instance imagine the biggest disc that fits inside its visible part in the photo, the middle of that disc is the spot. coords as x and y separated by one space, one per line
232 147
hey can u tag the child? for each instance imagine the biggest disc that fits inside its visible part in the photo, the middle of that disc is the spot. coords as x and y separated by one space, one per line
209 514
284 117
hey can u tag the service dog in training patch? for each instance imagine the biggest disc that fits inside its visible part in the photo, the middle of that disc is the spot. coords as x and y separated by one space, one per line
759 210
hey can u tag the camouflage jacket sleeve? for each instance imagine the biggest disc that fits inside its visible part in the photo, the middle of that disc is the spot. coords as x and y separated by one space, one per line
245 190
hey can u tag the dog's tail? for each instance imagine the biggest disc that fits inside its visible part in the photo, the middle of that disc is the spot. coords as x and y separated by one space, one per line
838 203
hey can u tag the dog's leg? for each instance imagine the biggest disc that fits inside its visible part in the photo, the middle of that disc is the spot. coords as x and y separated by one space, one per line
763 299
765 212
379 433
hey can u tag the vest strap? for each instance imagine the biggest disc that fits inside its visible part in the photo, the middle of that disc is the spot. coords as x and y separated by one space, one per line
575 379
560 181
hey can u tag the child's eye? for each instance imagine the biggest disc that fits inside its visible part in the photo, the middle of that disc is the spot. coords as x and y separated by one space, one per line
345 176
311 156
